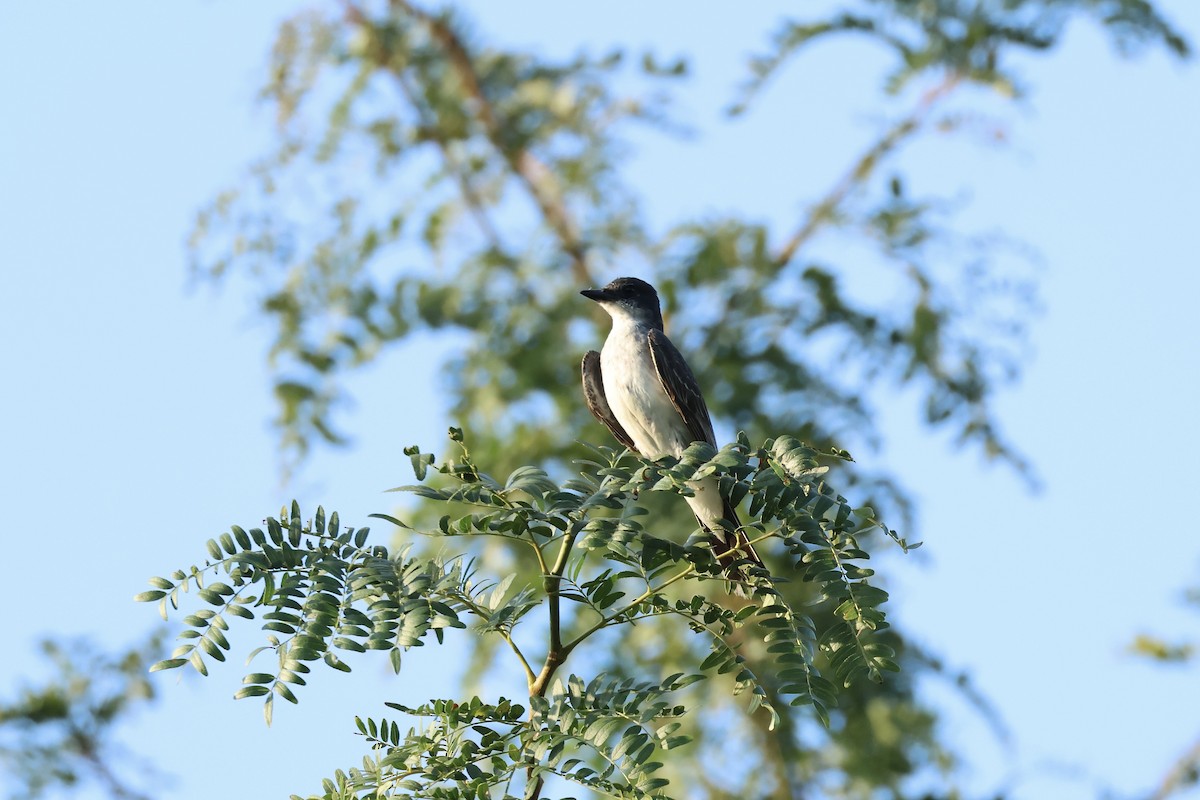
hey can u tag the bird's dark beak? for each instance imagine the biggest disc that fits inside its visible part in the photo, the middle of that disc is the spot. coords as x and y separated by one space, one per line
595 294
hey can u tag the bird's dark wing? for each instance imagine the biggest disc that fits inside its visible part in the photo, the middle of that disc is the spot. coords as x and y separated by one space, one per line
597 403
733 549
680 385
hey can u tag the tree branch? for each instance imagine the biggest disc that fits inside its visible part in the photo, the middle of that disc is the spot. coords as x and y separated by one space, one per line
475 203
1181 775
864 166
643 597
538 179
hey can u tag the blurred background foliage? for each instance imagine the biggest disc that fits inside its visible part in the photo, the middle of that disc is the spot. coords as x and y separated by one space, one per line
427 181
57 734
1174 652
428 186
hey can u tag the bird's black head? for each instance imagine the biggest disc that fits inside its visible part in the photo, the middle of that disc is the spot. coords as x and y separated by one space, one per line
629 297
624 290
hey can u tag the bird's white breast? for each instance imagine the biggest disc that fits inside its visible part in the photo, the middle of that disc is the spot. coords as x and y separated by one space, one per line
638 401
636 395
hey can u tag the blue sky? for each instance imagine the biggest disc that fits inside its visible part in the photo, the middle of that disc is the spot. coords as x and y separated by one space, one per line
135 414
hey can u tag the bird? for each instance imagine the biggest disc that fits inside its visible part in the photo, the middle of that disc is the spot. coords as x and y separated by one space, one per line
641 388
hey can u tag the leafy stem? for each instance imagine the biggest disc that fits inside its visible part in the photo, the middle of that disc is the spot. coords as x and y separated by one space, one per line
608 619
326 590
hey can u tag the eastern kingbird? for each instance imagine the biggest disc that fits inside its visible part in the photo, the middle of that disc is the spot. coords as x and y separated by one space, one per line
643 391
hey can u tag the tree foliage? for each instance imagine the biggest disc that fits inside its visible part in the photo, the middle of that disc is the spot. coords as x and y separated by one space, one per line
325 591
1184 773
58 734
428 181
406 140
504 169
